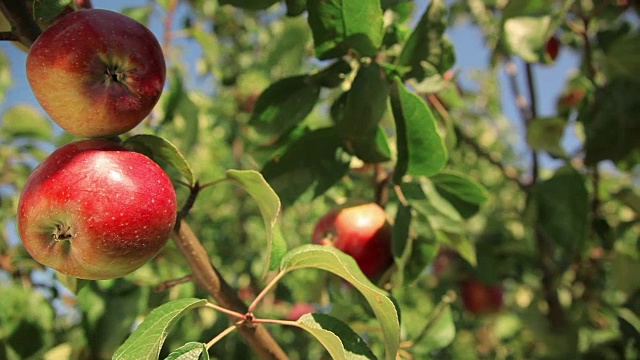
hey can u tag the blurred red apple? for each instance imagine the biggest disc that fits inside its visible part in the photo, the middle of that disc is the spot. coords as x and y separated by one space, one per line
97 73
96 210
299 309
479 298
361 231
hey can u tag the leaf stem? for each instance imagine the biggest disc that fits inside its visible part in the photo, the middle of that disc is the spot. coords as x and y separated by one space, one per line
226 311
219 337
264 291
208 277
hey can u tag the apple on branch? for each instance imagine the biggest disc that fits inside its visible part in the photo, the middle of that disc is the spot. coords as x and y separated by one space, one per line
479 298
360 231
95 210
97 73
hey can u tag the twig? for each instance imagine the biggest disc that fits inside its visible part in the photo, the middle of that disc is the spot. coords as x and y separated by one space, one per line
8 36
207 277
24 27
556 315
226 332
509 172
264 291
171 283
168 24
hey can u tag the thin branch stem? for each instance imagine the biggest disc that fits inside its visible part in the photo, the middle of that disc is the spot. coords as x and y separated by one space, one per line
219 337
509 172
227 311
21 20
171 283
264 291
8 36
193 194
207 277
275 321
168 24
447 299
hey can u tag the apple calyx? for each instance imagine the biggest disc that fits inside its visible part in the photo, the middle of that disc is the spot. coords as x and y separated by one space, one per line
62 233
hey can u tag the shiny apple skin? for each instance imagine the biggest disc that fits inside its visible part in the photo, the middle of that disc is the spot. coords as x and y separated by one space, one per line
111 210
361 231
97 73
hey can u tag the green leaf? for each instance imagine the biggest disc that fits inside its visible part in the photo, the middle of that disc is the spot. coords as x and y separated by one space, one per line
269 205
339 26
146 341
315 162
621 57
366 103
439 220
372 148
562 208
27 321
5 75
140 14
546 134
25 121
464 193
440 329
46 11
612 125
428 52
336 336
628 197
158 148
333 260
400 238
334 74
189 351
284 104
421 151
109 309
295 7
173 95
210 48
527 25
249 4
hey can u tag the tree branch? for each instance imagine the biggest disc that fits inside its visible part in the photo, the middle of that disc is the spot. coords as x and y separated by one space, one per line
23 26
207 277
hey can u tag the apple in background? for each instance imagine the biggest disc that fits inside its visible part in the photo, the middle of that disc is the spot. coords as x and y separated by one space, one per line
97 73
299 309
479 298
552 48
360 231
95 210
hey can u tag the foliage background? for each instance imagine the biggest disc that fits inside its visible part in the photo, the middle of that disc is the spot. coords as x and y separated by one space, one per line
219 58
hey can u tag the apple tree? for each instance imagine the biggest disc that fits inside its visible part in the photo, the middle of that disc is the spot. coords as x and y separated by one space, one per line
315 179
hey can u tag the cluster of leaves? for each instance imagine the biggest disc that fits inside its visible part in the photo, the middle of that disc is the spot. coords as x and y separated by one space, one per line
375 99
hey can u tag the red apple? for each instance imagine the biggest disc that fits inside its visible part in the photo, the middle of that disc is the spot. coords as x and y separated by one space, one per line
299 309
96 210
97 73
479 298
361 231
552 48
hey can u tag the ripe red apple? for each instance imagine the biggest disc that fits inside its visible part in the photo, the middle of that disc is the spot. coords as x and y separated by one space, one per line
552 48
97 73
361 231
95 210
299 309
479 298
